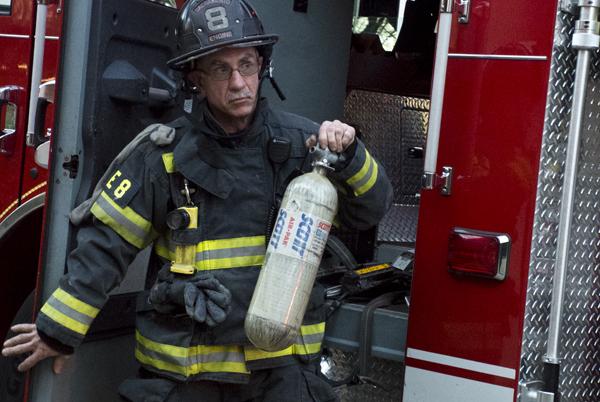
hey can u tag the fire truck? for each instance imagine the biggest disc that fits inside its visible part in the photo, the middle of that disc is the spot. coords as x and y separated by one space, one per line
482 283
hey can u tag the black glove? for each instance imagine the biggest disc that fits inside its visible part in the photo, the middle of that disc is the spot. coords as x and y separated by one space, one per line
204 298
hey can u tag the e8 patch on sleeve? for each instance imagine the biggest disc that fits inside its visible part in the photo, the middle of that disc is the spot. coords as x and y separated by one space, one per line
121 188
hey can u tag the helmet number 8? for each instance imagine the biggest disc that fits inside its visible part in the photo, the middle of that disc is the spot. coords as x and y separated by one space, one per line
216 17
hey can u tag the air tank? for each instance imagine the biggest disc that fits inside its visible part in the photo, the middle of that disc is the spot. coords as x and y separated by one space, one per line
293 256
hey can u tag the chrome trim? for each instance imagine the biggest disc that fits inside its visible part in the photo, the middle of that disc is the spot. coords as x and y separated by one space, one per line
544 396
47 90
496 56
21 212
36 70
42 155
446 181
569 6
566 204
14 36
464 9
437 93
427 180
528 391
503 248
26 36
446 6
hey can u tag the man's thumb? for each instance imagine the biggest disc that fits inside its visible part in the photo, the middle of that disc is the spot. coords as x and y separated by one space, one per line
59 364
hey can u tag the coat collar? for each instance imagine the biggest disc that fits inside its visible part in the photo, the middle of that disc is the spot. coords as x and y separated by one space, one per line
195 155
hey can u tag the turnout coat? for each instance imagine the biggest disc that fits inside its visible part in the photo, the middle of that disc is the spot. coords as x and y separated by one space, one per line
234 184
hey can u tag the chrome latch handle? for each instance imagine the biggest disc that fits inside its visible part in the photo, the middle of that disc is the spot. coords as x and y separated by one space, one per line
464 9
441 182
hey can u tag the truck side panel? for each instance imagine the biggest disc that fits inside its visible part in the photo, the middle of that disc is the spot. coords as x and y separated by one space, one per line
493 117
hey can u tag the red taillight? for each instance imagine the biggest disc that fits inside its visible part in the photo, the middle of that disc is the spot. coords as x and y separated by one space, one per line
478 253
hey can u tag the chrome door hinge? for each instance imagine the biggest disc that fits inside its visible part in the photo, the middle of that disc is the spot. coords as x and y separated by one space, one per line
464 9
442 182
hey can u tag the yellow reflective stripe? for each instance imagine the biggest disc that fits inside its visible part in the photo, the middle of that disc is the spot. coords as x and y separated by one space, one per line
64 320
360 182
367 186
231 262
308 349
159 364
258 354
177 351
75 303
184 352
234 262
231 243
209 367
161 247
363 170
219 367
163 251
129 216
253 353
318 328
180 351
168 162
295 349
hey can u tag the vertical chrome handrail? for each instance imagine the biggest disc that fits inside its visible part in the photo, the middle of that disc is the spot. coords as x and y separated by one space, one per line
437 93
585 40
36 68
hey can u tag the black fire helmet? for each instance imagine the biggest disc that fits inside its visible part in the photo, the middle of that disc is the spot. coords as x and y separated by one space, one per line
206 26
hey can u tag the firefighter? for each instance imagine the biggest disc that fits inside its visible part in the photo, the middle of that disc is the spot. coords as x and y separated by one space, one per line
220 163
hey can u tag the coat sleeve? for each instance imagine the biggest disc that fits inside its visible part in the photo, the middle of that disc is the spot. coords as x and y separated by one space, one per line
133 198
365 192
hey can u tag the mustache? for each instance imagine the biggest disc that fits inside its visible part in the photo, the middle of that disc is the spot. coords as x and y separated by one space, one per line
239 95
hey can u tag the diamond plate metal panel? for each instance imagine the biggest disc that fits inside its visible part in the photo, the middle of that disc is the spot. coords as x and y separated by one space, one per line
399 225
388 375
580 342
390 126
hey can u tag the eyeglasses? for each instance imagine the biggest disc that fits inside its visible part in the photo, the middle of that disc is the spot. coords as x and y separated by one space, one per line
222 72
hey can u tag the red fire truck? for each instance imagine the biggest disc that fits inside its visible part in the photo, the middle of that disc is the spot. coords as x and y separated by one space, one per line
482 283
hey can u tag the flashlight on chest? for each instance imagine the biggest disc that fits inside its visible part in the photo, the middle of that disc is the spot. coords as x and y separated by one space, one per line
181 219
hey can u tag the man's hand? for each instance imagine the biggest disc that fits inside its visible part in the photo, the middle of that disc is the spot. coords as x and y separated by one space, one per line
334 135
29 341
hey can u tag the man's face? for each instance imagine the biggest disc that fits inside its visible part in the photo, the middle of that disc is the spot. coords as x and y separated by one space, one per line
232 97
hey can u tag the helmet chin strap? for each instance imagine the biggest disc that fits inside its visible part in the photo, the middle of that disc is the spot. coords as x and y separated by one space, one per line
268 73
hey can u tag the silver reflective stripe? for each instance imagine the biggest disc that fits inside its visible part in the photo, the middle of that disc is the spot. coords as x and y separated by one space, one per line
367 176
176 360
187 361
69 312
309 339
230 253
121 219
